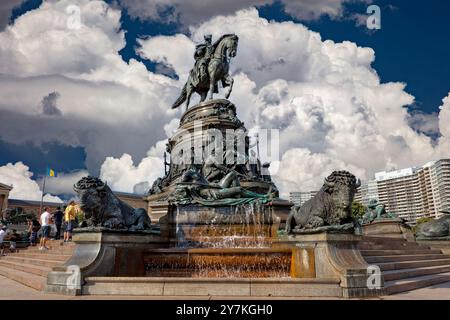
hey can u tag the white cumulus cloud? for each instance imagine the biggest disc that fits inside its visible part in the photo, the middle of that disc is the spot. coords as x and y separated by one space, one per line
63 182
325 98
193 12
18 176
103 103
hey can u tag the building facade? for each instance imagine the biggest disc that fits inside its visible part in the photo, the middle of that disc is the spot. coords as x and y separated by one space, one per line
134 200
33 207
367 191
440 183
4 195
411 193
299 198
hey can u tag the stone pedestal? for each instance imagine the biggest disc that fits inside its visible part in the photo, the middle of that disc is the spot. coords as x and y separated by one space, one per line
332 256
103 253
388 228
442 244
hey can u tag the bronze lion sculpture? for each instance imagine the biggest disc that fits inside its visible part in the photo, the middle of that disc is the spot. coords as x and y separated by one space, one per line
331 206
104 209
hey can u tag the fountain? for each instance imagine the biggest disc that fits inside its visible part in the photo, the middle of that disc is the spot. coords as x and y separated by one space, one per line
219 218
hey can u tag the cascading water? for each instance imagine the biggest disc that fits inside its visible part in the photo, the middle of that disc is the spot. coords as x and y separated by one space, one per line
243 226
222 242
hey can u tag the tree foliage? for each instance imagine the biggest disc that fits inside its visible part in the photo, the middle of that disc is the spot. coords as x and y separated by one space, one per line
358 210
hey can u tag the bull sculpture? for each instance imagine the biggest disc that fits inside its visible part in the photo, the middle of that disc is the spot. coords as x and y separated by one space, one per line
331 206
103 209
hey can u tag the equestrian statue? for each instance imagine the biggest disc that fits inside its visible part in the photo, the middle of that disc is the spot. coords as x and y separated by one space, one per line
212 63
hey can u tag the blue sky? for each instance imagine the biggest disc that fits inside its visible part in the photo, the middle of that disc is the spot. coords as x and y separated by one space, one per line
411 47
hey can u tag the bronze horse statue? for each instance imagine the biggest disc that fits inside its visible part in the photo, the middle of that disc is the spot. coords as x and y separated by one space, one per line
223 50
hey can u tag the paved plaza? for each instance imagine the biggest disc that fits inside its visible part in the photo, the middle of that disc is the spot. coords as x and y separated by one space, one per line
11 290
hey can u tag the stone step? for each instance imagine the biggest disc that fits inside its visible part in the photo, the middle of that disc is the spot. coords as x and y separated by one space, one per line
409 284
185 286
412 264
407 257
67 251
49 253
412 273
390 241
33 261
30 280
28 268
371 253
383 240
44 255
391 247
57 248
55 245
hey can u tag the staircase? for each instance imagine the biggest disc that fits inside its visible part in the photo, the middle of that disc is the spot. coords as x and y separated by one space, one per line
405 265
30 266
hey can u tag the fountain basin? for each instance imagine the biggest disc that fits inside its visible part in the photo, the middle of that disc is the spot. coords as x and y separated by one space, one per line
219 262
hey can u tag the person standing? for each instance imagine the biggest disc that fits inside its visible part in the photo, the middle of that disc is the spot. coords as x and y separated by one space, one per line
69 218
33 228
2 237
57 219
45 223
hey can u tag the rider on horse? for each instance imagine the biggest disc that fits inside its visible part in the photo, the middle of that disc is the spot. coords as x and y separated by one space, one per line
211 66
202 55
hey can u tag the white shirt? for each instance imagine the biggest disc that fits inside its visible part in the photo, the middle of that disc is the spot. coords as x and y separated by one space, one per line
2 235
44 218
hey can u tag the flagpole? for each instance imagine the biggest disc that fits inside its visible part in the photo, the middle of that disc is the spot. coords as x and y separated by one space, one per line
42 197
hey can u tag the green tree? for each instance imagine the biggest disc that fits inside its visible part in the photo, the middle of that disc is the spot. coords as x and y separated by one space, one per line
19 215
358 210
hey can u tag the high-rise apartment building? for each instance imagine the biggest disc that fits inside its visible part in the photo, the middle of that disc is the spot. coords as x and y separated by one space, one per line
299 198
367 191
411 193
440 183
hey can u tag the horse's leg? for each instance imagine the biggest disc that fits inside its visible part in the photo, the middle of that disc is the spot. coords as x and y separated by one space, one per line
230 81
203 95
188 97
212 70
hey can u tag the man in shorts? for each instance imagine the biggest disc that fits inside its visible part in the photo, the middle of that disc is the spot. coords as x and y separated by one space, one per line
69 218
45 224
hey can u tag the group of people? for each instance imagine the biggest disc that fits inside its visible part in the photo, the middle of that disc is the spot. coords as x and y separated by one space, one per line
56 218
42 226
11 237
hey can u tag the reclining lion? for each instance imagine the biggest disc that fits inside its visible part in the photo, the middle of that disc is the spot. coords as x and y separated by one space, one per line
104 209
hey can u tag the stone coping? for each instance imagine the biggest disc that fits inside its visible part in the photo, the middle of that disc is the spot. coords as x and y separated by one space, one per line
443 239
114 231
213 280
324 236
120 237
376 221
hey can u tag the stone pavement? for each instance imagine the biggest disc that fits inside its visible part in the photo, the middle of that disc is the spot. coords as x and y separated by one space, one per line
11 290
437 292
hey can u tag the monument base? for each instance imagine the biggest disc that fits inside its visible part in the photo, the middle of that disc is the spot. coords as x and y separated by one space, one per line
103 253
333 256
388 228
442 243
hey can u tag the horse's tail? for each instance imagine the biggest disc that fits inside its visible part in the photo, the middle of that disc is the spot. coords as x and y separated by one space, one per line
181 98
